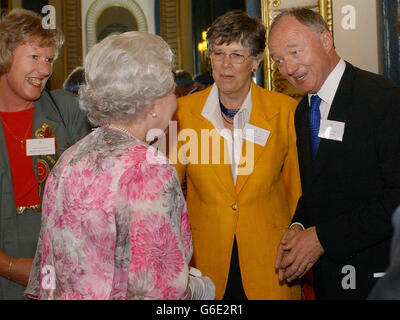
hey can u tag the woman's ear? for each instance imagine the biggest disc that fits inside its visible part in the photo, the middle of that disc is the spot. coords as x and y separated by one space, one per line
151 110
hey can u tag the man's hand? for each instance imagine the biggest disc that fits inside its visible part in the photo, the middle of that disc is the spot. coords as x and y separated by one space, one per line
302 250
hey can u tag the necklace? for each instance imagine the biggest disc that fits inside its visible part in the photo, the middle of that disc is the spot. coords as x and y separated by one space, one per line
22 142
227 112
226 119
123 130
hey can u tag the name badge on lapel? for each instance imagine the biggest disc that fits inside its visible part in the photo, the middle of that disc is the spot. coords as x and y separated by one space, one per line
332 130
40 147
255 134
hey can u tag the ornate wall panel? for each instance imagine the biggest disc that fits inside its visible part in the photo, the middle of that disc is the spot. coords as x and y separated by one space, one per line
68 19
273 80
170 27
73 35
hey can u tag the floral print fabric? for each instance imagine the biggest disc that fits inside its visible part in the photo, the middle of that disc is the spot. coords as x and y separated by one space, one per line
114 224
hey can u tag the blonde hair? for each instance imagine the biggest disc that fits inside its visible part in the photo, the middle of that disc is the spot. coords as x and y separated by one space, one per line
124 74
22 26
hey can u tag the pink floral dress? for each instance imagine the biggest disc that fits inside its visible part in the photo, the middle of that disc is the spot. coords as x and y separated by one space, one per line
114 224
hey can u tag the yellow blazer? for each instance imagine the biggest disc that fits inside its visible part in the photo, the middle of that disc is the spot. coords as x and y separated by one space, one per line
258 209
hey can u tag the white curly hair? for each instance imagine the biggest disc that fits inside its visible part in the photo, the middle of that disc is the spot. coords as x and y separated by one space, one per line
124 74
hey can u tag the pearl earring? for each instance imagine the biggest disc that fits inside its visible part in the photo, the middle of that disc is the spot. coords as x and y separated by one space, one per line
154 115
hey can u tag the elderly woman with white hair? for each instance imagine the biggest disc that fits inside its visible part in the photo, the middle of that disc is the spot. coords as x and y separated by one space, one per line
114 223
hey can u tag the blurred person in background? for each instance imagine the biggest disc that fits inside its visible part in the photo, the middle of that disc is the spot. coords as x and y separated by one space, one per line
184 83
203 80
75 80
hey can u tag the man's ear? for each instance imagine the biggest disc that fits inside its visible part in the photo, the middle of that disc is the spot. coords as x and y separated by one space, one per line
327 41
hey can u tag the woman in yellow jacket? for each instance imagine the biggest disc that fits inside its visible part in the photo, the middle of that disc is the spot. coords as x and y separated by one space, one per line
236 147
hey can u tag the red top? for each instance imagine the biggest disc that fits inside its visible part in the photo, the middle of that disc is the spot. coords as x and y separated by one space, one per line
17 127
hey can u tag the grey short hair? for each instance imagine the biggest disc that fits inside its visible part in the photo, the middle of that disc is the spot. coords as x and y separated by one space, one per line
307 17
237 26
124 74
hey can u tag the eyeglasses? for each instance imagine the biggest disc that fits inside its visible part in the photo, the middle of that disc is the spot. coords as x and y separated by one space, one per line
234 57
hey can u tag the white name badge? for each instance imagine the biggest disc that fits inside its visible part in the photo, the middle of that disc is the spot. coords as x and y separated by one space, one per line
332 130
40 147
255 134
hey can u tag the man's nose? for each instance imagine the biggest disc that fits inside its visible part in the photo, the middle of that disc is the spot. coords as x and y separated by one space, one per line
290 67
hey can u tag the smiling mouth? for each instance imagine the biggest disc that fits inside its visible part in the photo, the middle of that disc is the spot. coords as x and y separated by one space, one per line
36 82
300 78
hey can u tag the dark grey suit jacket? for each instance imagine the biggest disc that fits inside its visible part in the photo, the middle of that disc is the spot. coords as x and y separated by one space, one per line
352 189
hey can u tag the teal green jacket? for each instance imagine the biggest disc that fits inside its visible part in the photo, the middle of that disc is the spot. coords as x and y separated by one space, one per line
19 233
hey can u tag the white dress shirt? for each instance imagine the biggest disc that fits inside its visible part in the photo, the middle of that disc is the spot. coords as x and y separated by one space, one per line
212 112
328 89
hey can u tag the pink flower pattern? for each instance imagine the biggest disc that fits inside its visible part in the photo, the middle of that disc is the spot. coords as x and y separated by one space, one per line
156 249
132 182
109 224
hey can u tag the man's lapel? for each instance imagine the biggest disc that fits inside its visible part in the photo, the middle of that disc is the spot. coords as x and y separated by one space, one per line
303 141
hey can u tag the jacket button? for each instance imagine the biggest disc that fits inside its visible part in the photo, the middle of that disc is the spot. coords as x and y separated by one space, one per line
234 206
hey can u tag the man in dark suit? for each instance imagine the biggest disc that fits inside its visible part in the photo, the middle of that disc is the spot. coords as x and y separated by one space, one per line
348 139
